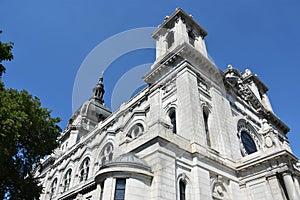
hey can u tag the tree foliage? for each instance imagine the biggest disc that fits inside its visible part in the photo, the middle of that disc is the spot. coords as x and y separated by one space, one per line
27 134
5 54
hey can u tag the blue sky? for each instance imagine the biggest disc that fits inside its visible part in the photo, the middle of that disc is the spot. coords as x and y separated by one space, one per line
52 39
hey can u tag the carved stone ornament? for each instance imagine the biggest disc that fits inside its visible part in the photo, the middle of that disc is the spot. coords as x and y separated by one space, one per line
79 197
268 142
270 135
219 191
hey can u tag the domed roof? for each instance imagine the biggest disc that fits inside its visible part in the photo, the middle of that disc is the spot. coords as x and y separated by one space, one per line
94 109
130 160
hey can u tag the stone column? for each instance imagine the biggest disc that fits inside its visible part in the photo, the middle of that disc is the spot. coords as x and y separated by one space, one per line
290 186
297 185
180 32
98 192
108 189
190 124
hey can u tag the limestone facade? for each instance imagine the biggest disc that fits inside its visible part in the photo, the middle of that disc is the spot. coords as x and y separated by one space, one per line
195 132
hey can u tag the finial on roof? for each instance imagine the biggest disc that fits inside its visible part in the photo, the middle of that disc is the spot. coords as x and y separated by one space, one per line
98 90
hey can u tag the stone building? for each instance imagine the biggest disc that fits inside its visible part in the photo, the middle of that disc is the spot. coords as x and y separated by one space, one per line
195 132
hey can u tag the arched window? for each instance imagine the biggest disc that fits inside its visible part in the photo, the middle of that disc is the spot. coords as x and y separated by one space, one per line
106 153
170 39
53 188
84 169
67 180
182 188
205 118
172 115
135 131
248 142
191 37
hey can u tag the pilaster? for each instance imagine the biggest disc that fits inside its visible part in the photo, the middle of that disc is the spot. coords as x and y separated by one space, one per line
190 118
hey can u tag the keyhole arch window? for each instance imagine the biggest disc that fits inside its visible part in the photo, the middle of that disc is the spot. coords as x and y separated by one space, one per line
206 113
84 169
106 154
173 119
184 187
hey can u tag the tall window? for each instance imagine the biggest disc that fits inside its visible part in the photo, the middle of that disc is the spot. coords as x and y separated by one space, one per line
182 187
248 142
67 180
84 169
120 189
170 39
172 115
53 188
191 37
205 118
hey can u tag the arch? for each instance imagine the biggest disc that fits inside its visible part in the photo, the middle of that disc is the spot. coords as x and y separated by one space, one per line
184 187
53 188
106 153
135 131
84 169
87 153
171 113
250 141
206 112
170 39
67 180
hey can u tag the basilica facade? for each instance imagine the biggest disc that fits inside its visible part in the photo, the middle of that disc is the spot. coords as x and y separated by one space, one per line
195 132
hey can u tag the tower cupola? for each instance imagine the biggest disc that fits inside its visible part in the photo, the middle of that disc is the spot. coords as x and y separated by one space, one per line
177 29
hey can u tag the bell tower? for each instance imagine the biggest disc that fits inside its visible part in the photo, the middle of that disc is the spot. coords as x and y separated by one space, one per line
177 29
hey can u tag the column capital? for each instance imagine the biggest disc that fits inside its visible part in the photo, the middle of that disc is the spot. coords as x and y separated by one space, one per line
284 173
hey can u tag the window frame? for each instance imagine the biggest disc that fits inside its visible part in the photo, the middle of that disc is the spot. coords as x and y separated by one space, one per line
120 186
84 169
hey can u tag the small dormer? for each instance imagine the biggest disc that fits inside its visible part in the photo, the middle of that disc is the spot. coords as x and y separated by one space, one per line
177 29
